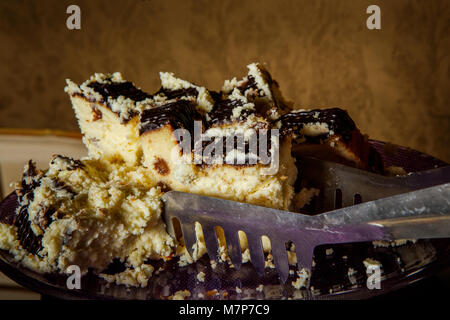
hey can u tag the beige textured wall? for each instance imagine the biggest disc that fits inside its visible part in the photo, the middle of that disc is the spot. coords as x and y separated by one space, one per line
394 81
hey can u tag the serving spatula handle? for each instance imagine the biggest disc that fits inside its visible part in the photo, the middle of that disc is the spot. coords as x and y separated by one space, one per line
420 214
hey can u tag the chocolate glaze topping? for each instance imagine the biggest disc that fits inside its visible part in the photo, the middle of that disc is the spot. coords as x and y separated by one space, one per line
250 84
222 112
178 114
176 94
117 89
217 96
337 120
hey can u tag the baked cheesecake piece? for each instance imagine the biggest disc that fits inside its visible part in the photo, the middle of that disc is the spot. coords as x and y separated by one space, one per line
162 130
89 213
260 88
176 88
208 165
328 134
219 160
107 108
264 177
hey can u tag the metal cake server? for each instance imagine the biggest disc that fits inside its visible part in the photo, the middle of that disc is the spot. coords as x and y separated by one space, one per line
392 212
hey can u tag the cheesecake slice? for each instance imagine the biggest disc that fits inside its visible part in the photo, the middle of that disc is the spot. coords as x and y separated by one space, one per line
262 176
230 150
176 88
107 108
259 87
328 134
166 134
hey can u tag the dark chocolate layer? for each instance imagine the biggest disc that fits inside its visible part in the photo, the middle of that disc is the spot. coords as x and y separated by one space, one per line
27 238
337 120
176 94
222 112
178 114
241 147
250 84
117 89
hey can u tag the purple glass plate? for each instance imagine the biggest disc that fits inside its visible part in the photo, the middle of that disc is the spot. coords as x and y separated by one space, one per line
401 265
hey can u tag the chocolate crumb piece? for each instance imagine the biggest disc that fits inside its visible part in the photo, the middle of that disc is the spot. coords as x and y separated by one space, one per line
161 166
114 90
216 96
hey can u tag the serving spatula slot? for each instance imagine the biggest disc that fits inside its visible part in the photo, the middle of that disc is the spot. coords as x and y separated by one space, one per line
256 252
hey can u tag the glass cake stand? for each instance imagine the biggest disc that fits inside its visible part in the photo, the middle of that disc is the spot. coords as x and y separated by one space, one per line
401 265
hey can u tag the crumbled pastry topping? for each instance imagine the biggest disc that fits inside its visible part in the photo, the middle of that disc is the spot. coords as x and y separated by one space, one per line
302 280
259 88
175 88
77 206
317 124
131 277
201 276
180 295
120 96
393 243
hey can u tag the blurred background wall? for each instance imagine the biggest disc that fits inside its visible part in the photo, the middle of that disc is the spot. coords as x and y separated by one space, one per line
393 81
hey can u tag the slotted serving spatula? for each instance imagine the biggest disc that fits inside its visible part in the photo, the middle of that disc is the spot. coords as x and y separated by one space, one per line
399 213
